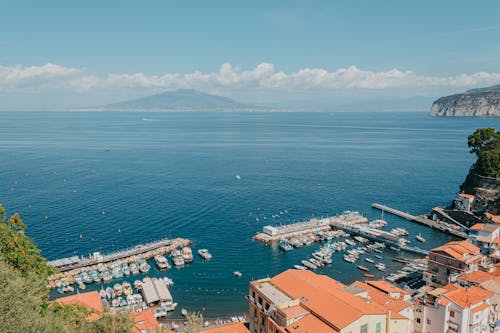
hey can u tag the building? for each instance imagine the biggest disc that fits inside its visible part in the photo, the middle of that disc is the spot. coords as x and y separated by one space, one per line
464 202
297 301
451 259
229 328
145 322
155 291
454 309
486 236
91 301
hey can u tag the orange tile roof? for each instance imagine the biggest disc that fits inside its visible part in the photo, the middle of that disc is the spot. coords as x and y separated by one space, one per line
294 311
493 217
465 297
229 328
477 277
468 196
89 300
386 287
310 324
480 307
319 294
477 226
145 321
457 249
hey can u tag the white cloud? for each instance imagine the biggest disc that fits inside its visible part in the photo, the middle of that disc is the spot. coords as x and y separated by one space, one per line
264 77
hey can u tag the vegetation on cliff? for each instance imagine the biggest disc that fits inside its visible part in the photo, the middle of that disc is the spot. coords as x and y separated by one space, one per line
24 296
485 143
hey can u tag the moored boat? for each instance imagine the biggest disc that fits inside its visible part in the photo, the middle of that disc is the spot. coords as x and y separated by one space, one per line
363 268
205 254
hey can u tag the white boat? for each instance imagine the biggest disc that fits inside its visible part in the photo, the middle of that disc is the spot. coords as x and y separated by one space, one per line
369 260
118 289
187 254
184 312
237 273
420 238
205 254
161 262
309 264
159 312
302 268
178 261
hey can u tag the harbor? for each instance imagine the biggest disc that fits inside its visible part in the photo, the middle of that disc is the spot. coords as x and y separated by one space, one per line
452 229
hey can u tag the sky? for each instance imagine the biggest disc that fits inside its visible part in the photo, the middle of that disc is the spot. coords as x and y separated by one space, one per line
58 54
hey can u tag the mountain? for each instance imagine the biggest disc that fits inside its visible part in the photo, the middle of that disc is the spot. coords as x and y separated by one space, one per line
482 102
179 100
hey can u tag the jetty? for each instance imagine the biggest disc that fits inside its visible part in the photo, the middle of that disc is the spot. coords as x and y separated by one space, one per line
146 251
438 225
271 234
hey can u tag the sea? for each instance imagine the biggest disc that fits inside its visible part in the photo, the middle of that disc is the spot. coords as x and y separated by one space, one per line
122 179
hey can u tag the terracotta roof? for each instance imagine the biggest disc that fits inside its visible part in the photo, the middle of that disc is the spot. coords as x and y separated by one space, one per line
477 226
145 321
458 249
493 217
90 300
468 196
319 294
229 328
387 287
294 311
477 277
310 324
480 307
465 297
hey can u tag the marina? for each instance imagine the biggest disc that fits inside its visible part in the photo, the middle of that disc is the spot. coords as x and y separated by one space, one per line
455 230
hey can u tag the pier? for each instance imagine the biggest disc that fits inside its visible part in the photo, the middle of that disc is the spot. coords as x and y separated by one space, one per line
274 233
142 251
441 226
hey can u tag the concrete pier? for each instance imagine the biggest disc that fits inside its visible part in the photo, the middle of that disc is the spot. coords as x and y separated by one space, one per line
441 226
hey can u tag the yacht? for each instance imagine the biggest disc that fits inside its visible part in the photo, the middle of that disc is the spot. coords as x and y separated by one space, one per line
363 268
302 268
162 262
371 261
125 269
205 254
127 288
118 290
309 264
187 254
178 261
420 238
284 245
237 273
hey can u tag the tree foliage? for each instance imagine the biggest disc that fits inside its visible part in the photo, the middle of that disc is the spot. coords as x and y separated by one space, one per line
194 323
485 143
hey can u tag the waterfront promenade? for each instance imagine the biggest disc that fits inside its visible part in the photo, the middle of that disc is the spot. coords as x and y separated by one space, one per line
441 226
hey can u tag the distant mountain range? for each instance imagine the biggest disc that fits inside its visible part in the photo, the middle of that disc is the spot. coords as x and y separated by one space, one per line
179 100
481 102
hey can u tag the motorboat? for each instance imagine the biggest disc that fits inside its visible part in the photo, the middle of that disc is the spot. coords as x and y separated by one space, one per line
161 262
205 254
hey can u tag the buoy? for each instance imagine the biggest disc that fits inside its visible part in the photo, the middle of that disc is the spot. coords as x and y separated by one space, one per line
46 217
81 236
119 231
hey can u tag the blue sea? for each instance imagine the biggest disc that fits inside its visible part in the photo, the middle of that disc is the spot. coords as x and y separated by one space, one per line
174 175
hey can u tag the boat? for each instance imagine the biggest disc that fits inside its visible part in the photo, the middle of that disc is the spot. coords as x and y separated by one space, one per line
322 257
118 289
184 312
123 301
187 254
170 307
377 250
379 257
420 238
363 268
350 242
110 293
161 262
205 254
178 261
316 262
302 268
284 245
395 248
309 264
368 275
102 293
138 285
134 269
370 260
143 266
127 288
237 273
115 303
125 269
349 258
168 281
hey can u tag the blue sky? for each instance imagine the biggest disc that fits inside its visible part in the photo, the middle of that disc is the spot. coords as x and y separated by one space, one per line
430 39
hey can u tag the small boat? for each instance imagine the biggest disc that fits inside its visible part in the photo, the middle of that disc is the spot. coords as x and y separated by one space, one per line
138 284
184 312
178 261
379 257
284 245
115 303
118 289
81 285
187 254
420 238
238 177
123 301
302 268
205 254
102 293
110 293
377 250
143 266
133 268
125 269
161 262
363 268
368 275
395 248
308 264
369 260
237 273
127 288
159 312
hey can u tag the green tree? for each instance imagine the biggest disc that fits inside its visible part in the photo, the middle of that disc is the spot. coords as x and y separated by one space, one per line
120 322
194 323
485 143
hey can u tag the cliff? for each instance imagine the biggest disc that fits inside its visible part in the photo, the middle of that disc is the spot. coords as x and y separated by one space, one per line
483 102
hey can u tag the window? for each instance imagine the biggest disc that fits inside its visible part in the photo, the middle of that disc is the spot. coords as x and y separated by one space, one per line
378 327
418 320
428 321
452 314
364 328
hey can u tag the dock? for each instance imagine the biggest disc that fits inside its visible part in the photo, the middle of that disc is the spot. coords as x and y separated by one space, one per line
271 234
141 251
438 225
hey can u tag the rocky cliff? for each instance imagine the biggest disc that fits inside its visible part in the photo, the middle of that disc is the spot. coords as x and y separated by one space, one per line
483 102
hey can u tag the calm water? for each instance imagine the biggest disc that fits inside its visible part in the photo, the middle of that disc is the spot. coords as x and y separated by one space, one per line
173 174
